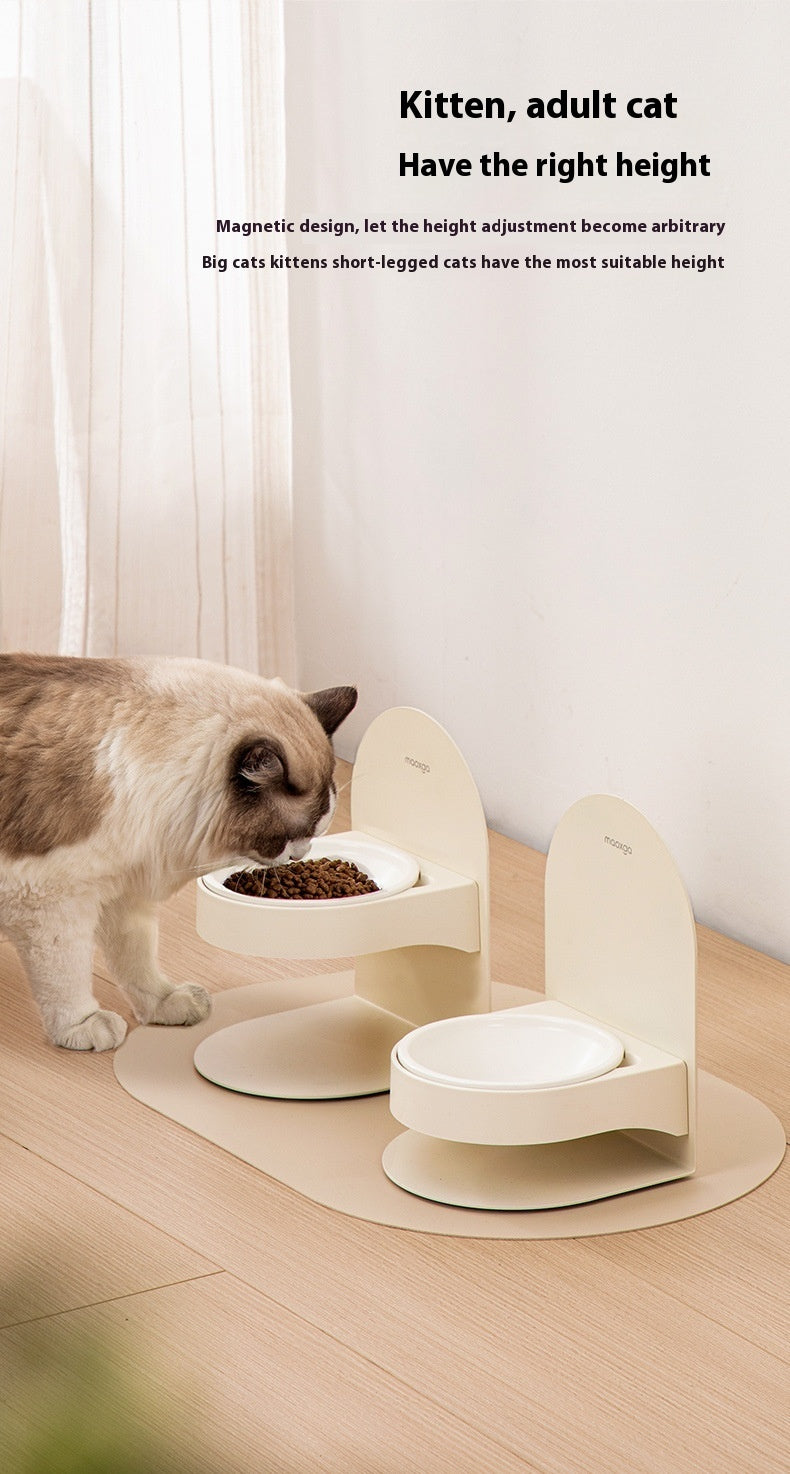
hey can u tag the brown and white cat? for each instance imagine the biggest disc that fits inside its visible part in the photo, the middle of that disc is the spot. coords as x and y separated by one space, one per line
120 780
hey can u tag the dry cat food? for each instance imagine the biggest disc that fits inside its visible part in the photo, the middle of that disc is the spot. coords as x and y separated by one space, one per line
303 880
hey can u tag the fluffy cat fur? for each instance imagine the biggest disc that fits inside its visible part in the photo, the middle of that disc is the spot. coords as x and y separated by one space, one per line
120 780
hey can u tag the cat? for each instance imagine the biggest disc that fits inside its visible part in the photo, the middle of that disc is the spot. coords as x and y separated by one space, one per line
121 779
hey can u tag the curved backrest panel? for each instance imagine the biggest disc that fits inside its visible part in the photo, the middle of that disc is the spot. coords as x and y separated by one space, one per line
411 786
620 937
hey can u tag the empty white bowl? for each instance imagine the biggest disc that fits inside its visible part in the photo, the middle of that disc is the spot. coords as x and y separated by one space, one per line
509 1051
392 869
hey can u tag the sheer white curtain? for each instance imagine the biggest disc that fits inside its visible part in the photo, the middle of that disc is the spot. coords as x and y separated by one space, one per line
145 474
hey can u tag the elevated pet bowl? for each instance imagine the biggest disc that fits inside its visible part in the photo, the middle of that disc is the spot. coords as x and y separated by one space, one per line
418 901
420 943
592 1092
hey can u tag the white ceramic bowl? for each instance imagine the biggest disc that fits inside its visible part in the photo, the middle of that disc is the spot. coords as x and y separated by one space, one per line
509 1051
393 870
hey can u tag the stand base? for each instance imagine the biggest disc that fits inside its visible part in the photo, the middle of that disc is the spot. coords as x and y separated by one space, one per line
515 1178
330 1151
326 1051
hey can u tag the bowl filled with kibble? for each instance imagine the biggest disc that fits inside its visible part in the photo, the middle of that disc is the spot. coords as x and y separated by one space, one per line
338 870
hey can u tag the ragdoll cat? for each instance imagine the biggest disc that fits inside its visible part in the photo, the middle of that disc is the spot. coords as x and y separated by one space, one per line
120 780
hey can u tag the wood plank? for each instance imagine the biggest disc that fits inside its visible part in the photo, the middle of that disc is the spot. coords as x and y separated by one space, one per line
730 1265
64 1245
220 1373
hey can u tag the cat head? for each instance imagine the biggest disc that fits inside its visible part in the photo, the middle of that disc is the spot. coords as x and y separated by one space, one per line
279 778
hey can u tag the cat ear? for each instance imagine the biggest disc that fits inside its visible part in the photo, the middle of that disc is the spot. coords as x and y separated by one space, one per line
332 706
261 762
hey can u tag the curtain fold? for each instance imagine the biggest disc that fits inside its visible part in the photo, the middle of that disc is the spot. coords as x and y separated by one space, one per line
145 445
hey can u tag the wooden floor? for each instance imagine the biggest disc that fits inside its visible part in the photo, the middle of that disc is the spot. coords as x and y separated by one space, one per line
156 1285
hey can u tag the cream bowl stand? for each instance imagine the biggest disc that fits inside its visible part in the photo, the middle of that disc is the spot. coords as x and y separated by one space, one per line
421 944
695 1143
587 1094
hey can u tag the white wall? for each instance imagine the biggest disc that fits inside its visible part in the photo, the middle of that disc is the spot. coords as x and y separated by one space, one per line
552 510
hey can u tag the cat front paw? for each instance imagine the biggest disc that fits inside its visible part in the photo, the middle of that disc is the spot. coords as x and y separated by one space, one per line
100 1030
187 1004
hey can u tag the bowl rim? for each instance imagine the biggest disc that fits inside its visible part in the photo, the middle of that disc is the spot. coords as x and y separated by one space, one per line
612 1056
342 846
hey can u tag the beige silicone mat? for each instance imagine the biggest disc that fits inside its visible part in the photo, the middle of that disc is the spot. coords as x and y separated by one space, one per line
330 1151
